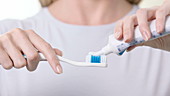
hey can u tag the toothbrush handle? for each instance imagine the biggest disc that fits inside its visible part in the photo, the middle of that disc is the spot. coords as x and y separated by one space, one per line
42 57
83 64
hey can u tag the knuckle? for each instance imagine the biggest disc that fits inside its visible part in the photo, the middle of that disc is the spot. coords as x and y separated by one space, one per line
5 38
142 10
155 7
128 39
132 17
33 56
160 11
16 30
47 46
19 63
7 66
30 31
119 23
18 33
127 17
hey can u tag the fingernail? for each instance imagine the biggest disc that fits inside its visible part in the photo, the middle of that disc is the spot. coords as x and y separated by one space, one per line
126 40
145 36
116 35
159 29
148 35
59 69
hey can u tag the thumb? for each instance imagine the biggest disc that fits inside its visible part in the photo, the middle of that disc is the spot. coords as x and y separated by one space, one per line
58 52
134 46
131 48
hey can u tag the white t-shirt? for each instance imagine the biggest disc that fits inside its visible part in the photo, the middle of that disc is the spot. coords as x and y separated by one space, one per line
142 72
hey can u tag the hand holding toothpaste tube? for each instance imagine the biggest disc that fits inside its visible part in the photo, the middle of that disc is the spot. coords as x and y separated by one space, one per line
124 29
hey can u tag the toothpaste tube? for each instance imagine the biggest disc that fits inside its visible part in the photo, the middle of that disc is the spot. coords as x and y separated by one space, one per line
118 46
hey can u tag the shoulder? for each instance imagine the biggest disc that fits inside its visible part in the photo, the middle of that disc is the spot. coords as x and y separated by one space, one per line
7 24
29 23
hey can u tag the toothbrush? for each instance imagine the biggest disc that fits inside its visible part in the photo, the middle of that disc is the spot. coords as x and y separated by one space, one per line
118 46
91 61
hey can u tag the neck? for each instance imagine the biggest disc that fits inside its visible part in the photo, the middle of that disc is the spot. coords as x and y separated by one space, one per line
89 12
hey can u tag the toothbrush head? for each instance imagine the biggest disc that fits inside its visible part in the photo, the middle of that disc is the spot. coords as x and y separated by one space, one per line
96 59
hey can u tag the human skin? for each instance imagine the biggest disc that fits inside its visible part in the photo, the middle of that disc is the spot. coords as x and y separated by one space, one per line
78 12
125 27
89 12
12 48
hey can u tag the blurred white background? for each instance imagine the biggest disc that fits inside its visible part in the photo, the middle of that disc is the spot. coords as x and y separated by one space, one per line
150 3
20 9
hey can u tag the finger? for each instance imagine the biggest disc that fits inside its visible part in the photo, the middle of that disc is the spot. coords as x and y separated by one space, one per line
29 50
128 28
13 52
5 60
142 17
46 50
134 46
118 31
160 19
58 52
33 59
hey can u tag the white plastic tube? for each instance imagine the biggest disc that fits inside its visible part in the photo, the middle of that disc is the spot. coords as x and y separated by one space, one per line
118 46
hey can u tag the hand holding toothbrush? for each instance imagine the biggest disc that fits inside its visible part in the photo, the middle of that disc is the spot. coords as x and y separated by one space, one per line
17 42
125 28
